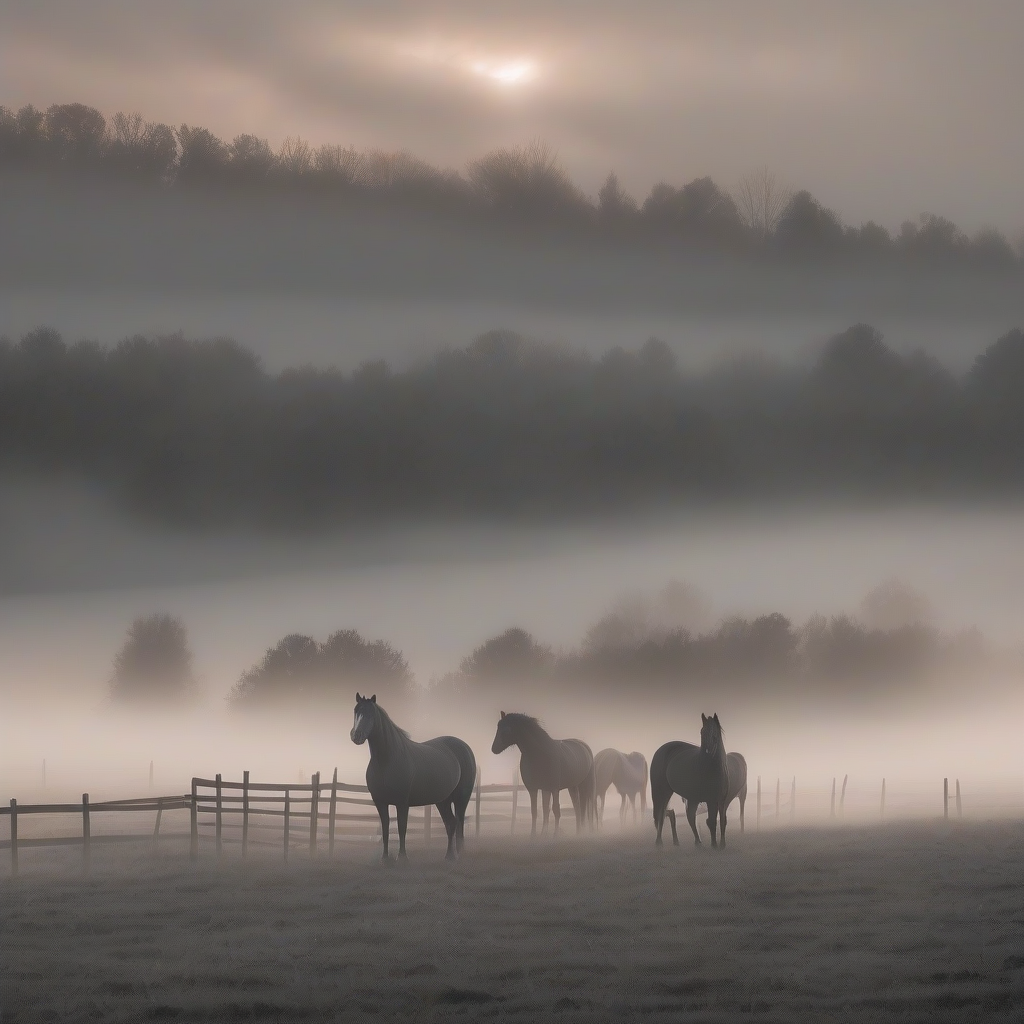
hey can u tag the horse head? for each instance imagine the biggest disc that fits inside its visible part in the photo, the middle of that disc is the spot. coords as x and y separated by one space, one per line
503 738
710 736
365 719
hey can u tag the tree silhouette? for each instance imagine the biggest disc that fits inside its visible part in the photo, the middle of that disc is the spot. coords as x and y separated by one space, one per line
154 665
762 202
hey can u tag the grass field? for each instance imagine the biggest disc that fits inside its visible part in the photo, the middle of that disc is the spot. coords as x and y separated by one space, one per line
914 922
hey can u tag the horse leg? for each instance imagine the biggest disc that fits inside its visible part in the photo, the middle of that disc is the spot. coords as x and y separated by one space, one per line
556 809
622 810
385 827
743 800
447 812
632 803
533 813
402 813
672 822
713 822
659 818
545 799
579 807
691 817
721 821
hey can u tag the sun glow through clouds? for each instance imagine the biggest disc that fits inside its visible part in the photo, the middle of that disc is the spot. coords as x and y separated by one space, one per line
505 73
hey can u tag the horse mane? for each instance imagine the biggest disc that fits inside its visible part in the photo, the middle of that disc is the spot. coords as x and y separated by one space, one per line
390 723
528 721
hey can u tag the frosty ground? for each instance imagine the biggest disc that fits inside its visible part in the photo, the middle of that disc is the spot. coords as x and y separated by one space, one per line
916 921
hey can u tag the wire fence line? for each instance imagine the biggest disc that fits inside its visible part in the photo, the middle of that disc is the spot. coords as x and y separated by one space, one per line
313 818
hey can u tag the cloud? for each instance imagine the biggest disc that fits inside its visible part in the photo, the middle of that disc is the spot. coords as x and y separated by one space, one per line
882 109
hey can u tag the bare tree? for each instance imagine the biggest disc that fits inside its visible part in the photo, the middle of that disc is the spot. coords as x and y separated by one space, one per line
762 201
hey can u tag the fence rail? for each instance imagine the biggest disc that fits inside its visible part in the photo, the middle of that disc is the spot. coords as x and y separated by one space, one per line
290 816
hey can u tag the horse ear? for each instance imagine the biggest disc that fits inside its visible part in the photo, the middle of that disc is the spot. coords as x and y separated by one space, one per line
716 716
503 714
373 699
358 698
704 718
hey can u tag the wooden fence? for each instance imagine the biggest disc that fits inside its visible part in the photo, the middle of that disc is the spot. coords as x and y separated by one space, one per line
86 810
294 815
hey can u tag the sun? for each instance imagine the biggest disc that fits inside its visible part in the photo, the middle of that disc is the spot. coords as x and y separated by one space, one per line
508 73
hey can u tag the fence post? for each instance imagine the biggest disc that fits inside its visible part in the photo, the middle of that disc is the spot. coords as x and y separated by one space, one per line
86 833
758 803
881 812
778 796
314 812
792 800
945 799
959 806
479 776
159 814
193 849
287 819
332 817
515 798
14 836
219 817
832 807
245 814
842 796
150 774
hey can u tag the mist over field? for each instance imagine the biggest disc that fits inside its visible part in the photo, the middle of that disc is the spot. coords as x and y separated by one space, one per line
613 366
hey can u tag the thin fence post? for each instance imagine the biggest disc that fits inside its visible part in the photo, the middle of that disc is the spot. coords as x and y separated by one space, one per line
515 798
945 799
832 807
842 796
314 812
193 849
287 819
479 777
332 817
86 833
159 815
245 814
150 774
881 811
14 836
758 802
220 820
959 806
792 800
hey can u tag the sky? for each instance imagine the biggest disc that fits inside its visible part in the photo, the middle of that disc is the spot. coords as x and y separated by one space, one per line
883 109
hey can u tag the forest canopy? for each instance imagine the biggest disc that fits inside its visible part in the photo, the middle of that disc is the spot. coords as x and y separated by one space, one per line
522 184
199 432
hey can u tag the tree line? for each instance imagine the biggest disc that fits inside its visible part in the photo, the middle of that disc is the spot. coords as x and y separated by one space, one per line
199 433
519 184
621 657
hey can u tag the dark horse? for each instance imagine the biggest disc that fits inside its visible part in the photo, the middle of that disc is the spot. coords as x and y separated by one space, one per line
627 773
700 775
549 765
441 771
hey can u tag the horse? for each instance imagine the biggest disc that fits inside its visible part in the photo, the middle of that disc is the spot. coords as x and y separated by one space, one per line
700 775
627 772
441 771
549 765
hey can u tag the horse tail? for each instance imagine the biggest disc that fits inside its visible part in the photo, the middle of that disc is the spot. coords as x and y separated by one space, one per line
643 788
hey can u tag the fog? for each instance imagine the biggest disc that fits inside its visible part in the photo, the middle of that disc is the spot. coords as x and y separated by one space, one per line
77 572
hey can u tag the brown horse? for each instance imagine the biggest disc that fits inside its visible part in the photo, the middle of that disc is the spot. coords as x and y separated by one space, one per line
549 765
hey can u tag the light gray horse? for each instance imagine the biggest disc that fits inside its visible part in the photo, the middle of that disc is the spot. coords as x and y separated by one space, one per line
627 773
406 774
550 765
